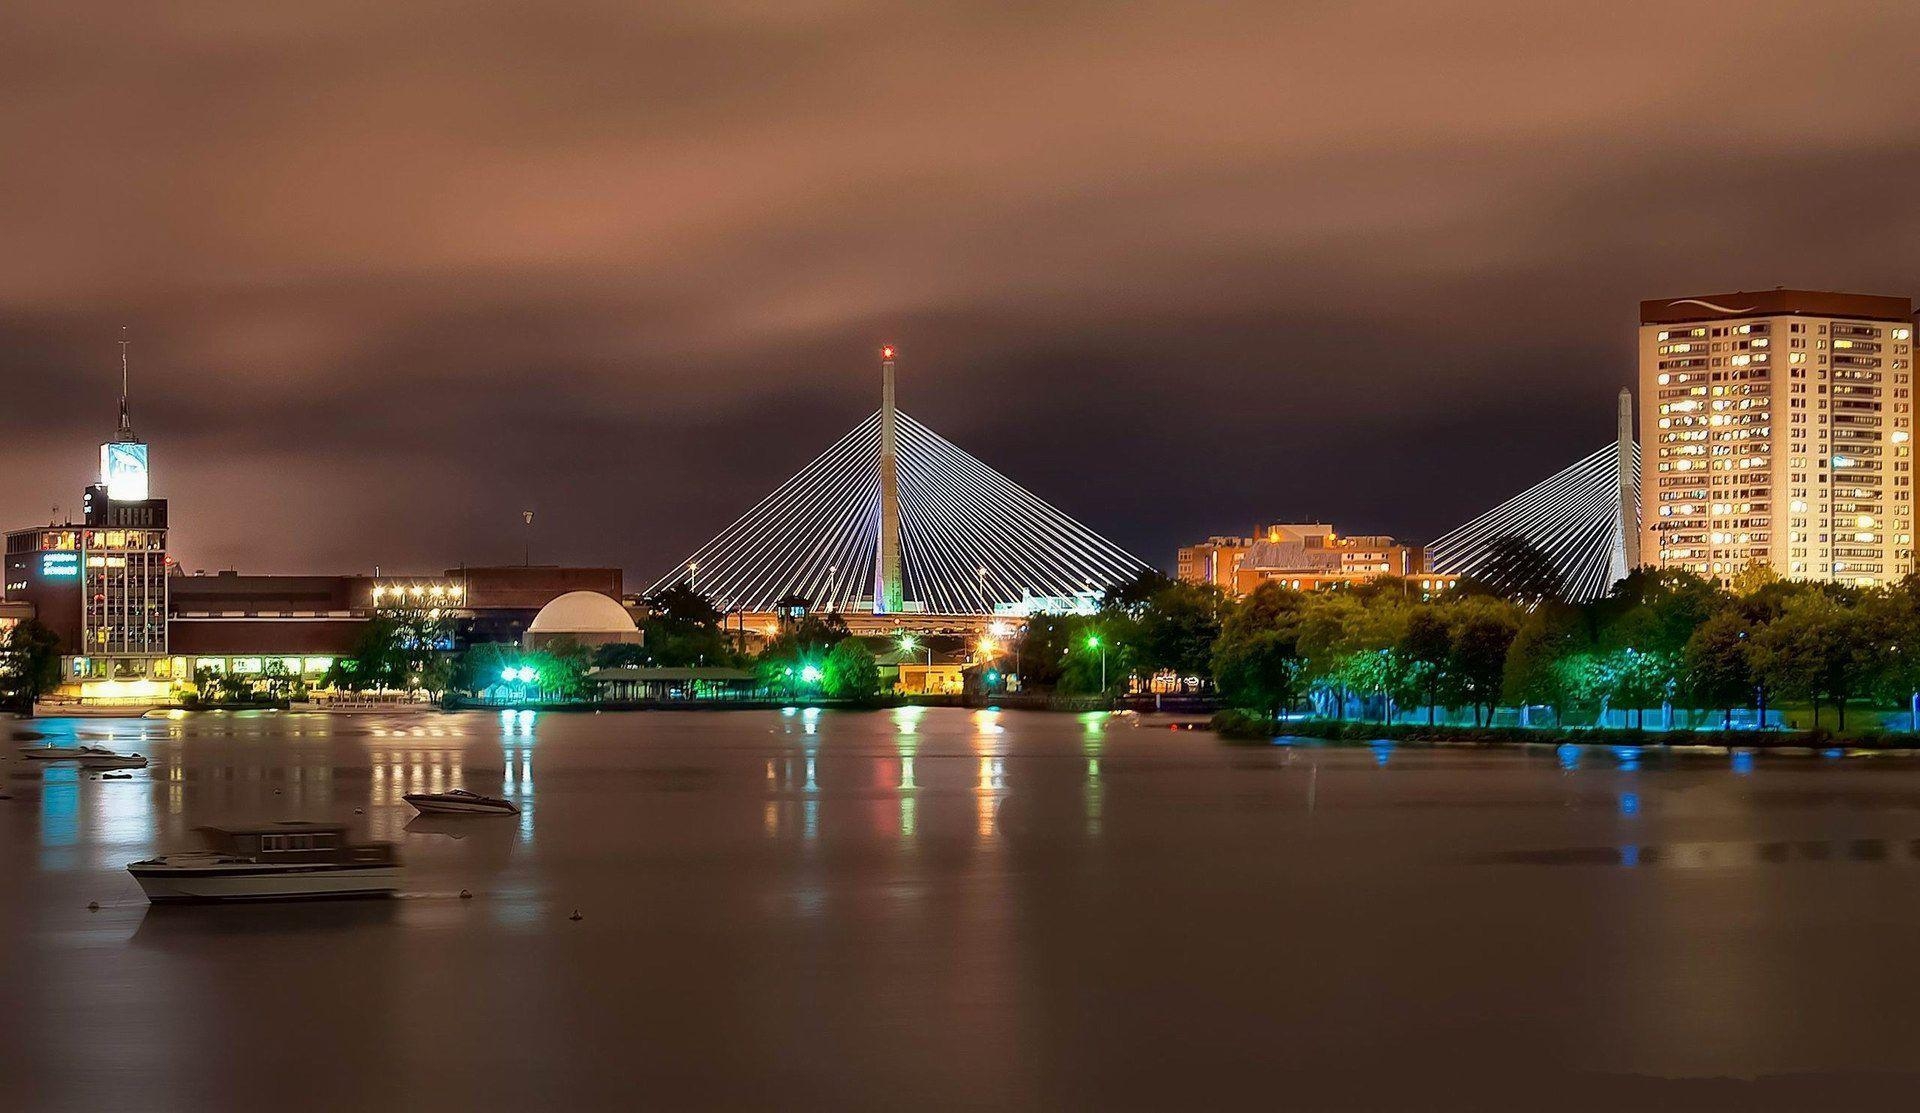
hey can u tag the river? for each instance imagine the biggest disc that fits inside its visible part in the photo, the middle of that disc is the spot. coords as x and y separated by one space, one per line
954 909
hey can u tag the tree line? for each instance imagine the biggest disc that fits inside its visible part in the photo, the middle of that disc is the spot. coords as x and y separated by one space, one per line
1658 640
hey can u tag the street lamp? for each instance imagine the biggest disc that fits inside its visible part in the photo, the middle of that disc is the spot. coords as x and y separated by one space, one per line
1094 642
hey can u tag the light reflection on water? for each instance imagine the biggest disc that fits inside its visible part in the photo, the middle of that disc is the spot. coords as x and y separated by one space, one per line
895 865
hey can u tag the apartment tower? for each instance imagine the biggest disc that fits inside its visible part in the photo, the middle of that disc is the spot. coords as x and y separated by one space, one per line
1775 431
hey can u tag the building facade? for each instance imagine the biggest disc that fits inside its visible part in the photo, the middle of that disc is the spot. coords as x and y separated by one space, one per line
1308 556
1776 432
100 584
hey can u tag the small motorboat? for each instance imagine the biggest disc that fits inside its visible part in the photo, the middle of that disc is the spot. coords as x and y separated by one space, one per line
107 759
275 861
66 753
459 802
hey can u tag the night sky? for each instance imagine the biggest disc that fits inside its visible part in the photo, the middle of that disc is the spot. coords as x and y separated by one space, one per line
394 273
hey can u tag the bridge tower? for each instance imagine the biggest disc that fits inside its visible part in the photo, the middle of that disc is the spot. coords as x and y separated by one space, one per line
889 590
1629 485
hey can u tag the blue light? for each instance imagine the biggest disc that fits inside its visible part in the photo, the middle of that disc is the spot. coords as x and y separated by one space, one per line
1569 755
1382 751
1743 762
65 566
1629 856
1627 756
1629 803
1831 754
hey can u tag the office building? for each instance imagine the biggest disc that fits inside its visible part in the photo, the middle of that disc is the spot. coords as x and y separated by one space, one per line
100 584
1775 432
1308 556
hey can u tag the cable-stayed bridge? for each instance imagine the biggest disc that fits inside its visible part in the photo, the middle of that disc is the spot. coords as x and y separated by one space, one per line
894 519
1584 519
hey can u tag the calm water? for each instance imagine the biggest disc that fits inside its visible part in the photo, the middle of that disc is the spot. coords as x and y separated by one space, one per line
953 909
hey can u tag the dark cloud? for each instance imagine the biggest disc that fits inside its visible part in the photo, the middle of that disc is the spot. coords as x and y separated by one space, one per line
395 274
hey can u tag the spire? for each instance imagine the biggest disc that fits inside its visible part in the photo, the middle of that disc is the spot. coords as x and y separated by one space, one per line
125 432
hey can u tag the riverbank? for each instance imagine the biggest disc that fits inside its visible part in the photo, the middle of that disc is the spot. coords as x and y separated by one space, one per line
1243 727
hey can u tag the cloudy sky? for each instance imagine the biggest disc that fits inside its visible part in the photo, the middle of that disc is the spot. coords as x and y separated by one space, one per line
394 273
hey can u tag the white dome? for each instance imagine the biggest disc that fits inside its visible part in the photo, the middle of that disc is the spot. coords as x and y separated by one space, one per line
583 612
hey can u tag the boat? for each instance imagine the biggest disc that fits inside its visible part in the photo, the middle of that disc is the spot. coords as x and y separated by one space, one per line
81 709
273 861
66 753
459 802
107 759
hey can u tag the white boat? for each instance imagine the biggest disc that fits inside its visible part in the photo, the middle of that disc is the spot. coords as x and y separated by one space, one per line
67 753
459 802
79 709
107 759
275 861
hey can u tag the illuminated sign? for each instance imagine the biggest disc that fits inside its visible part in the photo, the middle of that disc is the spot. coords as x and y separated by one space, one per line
123 468
61 565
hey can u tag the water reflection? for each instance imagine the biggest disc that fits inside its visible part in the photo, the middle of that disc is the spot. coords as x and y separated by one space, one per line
1722 855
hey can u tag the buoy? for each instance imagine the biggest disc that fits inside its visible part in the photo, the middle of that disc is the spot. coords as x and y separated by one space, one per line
93 906
464 895
576 917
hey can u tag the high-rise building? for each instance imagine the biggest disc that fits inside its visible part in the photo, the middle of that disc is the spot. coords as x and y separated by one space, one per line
101 584
1775 431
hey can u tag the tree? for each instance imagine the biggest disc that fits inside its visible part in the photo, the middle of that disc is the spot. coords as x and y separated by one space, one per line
1544 664
1519 571
1717 664
29 662
1134 596
683 628
1426 647
1042 649
1256 660
1477 653
618 655
1259 668
1819 647
1176 628
379 661
850 671
562 666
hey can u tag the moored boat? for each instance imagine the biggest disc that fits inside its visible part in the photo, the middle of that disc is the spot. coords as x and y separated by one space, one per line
107 759
274 861
459 802
66 753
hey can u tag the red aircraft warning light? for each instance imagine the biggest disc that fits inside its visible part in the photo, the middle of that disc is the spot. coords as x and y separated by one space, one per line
886 351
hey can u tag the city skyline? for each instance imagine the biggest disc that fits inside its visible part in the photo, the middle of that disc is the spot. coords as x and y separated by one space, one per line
455 299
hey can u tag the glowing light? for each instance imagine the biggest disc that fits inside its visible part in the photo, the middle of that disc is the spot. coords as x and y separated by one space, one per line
810 674
886 351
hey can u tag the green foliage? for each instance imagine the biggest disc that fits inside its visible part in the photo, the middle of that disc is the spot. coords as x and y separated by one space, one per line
1257 660
29 662
850 672
1717 663
683 629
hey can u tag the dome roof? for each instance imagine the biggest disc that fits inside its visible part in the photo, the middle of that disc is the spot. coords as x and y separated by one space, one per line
583 612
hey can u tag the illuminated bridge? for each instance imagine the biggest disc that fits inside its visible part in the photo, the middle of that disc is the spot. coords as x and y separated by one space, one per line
1584 519
894 519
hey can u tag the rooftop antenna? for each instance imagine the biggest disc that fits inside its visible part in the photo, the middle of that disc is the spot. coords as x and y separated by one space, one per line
126 419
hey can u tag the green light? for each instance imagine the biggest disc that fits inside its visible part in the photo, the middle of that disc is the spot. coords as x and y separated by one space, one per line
907 643
1093 641
811 674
